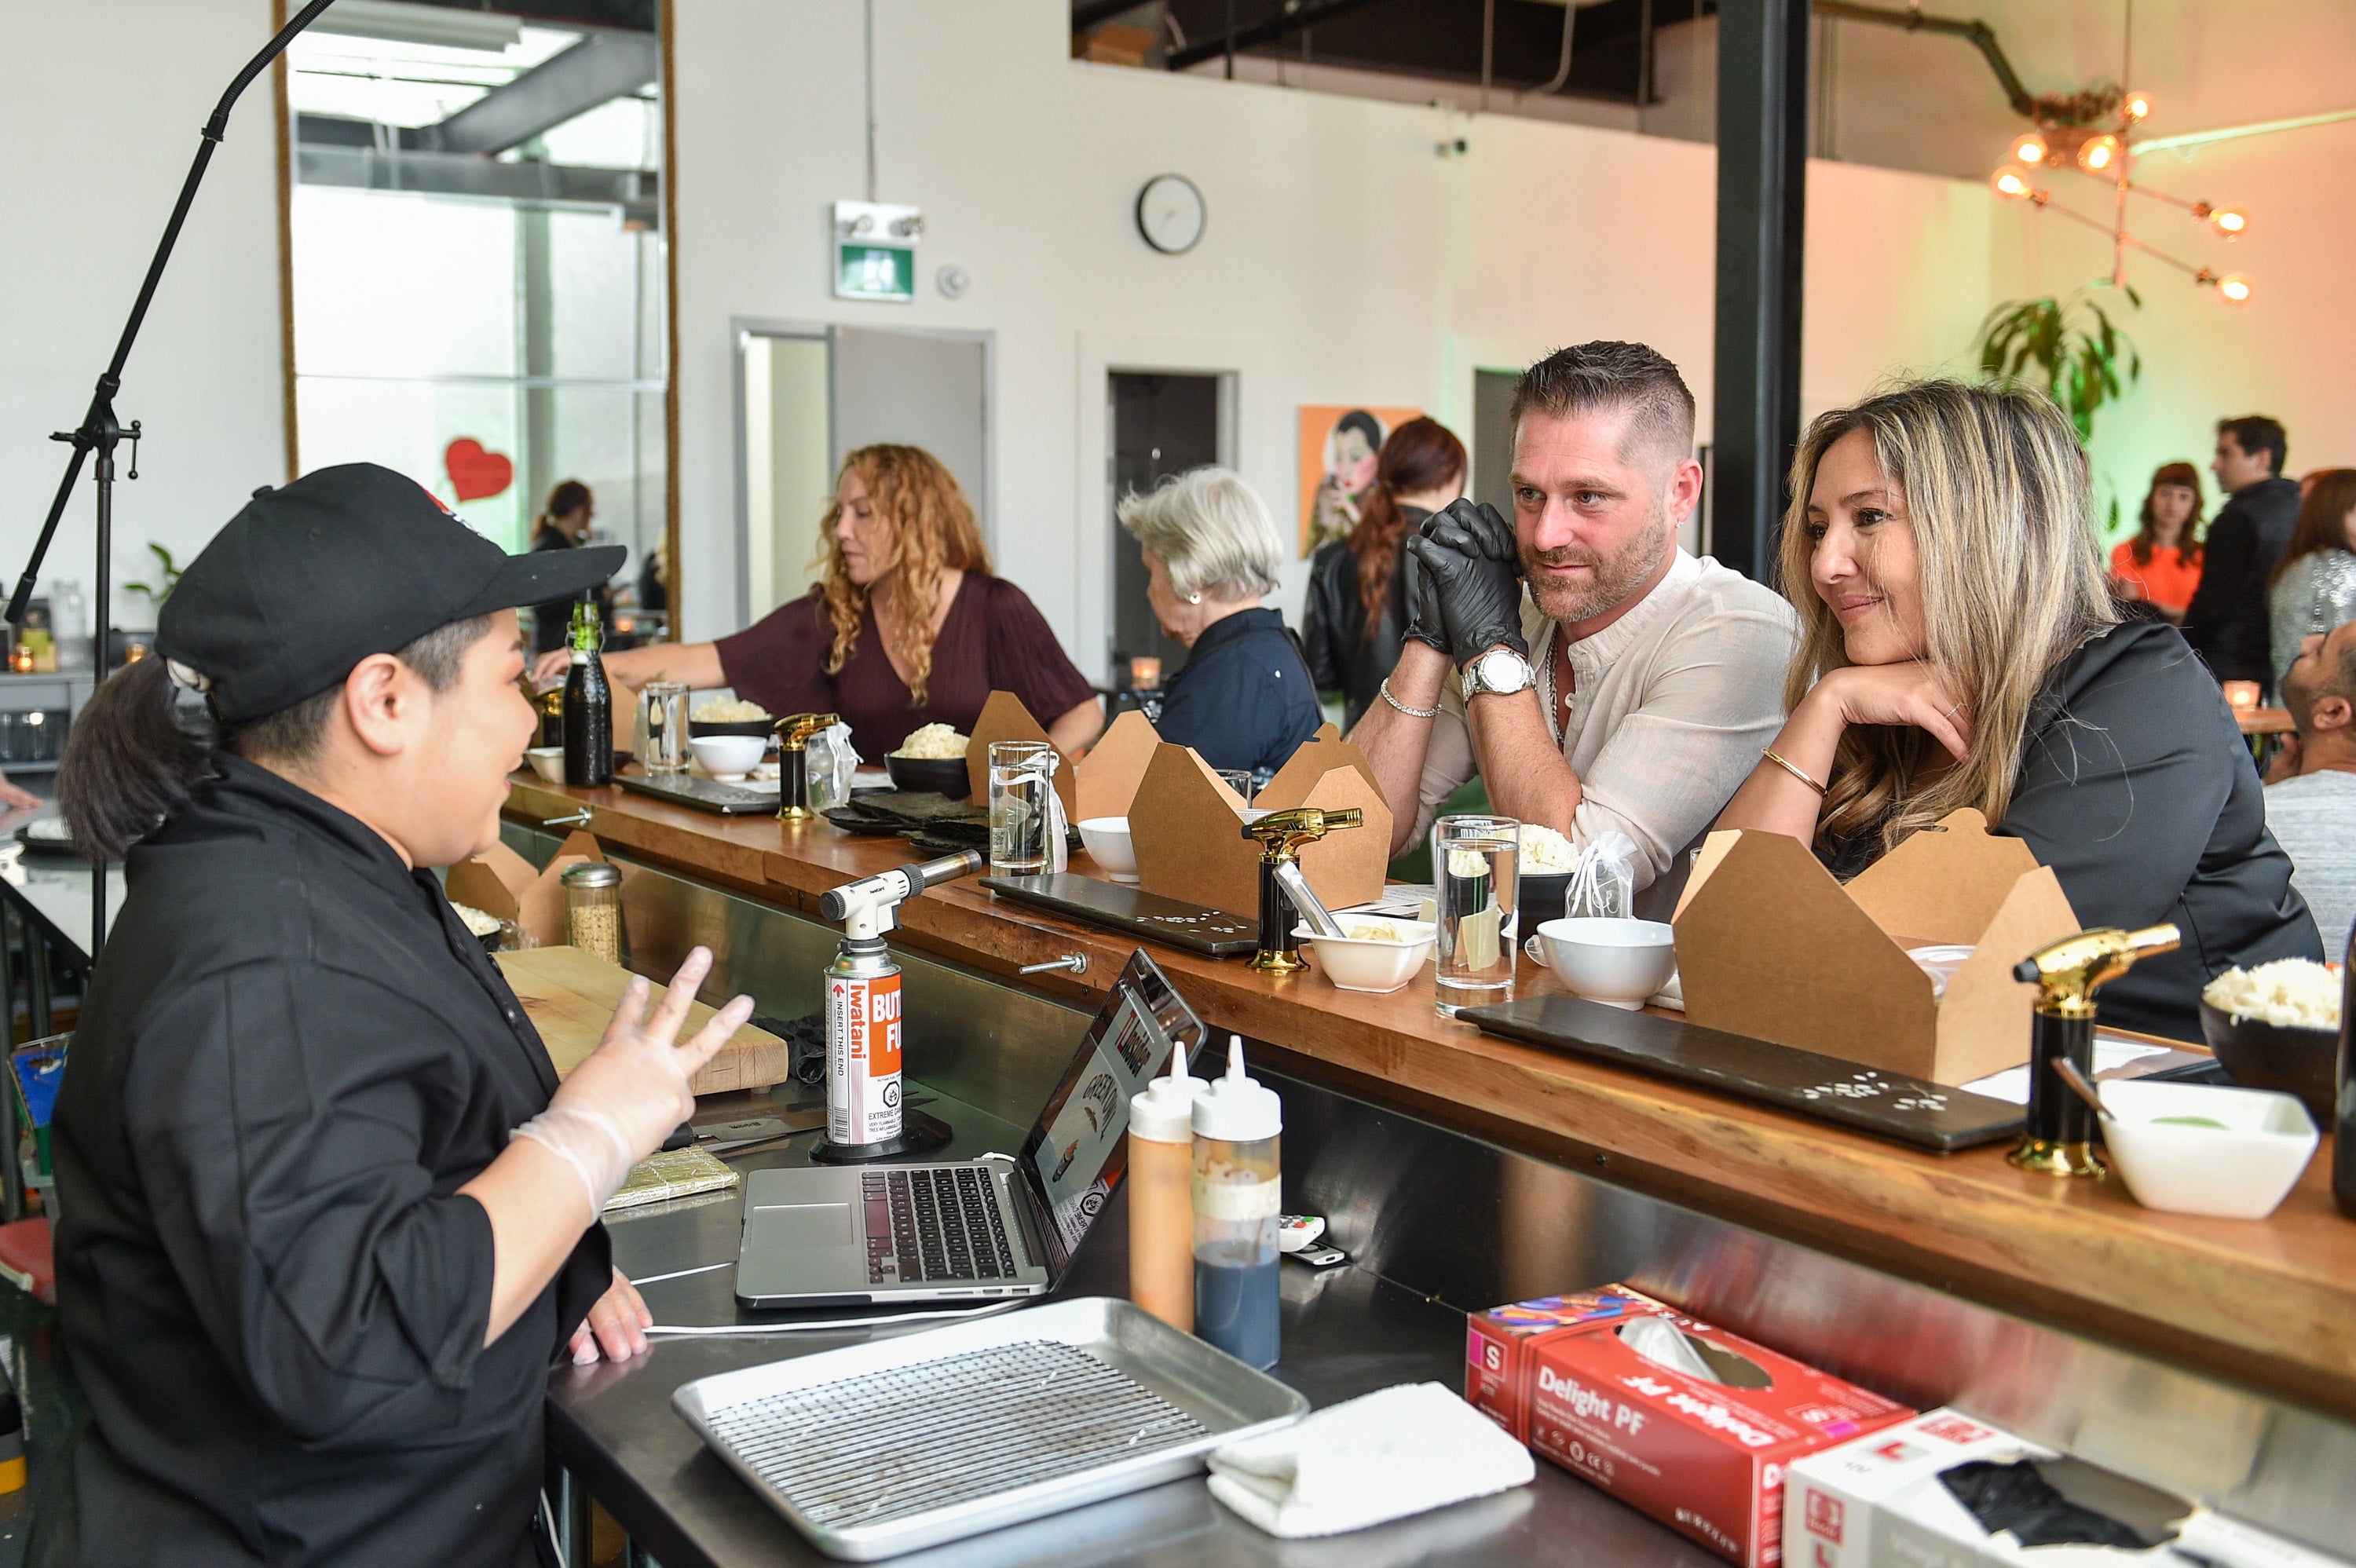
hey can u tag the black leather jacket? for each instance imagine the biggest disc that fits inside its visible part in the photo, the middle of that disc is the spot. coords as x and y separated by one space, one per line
1341 657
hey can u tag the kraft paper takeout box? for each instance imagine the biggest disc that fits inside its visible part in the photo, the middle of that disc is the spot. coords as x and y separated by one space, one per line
1186 828
498 881
1770 945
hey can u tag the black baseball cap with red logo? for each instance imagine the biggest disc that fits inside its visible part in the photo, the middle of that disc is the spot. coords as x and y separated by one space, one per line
311 577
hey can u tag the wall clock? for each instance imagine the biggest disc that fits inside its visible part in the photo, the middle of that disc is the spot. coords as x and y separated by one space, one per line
1169 214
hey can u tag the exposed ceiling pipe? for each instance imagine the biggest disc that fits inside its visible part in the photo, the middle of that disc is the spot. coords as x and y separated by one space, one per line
1977 34
1562 71
1308 13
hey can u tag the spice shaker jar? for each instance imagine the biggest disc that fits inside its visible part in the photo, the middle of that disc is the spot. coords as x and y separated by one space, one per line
593 909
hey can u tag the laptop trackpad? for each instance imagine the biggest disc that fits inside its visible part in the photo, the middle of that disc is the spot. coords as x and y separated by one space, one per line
806 1224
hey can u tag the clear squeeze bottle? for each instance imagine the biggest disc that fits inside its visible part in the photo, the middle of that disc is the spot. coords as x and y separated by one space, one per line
1238 1125
1161 1194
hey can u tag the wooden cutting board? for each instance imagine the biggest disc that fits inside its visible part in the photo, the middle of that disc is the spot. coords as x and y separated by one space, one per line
571 995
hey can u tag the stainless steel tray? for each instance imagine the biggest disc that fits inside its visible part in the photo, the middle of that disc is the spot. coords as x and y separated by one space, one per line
881 1448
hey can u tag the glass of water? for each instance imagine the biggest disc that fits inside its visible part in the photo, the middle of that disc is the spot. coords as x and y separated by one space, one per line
1022 776
662 727
1236 779
1473 863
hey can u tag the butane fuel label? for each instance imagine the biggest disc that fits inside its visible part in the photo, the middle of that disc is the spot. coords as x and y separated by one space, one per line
863 1059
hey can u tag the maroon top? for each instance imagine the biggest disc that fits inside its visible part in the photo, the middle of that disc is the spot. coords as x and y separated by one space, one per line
993 639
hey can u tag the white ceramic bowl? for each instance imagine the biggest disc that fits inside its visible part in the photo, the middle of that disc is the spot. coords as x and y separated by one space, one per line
1618 962
1361 964
2239 1171
728 757
547 761
1108 841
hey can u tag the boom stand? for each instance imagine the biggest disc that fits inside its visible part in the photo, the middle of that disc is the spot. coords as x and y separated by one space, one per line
101 433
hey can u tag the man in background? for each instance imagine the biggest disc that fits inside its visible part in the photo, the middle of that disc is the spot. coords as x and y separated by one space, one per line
2226 621
2311 797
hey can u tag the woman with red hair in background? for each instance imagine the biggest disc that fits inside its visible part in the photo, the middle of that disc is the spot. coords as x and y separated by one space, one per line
1357 584
908 627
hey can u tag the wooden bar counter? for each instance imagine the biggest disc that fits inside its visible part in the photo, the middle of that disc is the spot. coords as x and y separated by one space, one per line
2270 1304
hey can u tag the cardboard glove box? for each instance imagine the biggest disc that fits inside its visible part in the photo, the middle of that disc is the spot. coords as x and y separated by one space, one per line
1700 1441
1877 1502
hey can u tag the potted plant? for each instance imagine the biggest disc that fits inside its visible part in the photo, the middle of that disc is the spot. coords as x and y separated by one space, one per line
2068 349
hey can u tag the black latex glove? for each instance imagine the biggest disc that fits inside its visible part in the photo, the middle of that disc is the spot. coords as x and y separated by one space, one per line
1425 623
1468 554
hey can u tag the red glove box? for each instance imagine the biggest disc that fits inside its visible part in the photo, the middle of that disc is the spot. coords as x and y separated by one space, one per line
1704 1454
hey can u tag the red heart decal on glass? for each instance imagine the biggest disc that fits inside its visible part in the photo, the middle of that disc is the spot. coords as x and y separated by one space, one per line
477 474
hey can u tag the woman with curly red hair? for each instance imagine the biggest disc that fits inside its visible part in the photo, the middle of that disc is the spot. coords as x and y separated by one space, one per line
907 627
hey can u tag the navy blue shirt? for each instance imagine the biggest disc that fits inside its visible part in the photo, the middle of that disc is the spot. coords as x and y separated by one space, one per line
1245 700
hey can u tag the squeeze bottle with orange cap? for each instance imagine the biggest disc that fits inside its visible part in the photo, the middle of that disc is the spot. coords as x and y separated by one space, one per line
1238 1126
1161 1195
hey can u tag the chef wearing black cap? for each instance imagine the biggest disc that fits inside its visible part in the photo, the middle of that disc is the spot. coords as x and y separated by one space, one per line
326 1217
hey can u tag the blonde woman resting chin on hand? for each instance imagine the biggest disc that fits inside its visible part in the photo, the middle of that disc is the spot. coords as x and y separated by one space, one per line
1958 649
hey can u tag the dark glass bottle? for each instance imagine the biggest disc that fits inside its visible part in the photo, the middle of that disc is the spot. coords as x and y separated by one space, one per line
588 705
2344 1142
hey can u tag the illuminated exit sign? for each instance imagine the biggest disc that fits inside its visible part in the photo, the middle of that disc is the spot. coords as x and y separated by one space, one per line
875 250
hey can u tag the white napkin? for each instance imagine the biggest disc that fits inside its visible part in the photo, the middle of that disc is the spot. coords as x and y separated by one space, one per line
1389 1454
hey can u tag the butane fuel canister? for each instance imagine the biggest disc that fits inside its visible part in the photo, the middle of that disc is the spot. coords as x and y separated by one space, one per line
862 1043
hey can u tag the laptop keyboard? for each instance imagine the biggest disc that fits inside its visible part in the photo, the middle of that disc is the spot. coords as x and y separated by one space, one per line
934 1223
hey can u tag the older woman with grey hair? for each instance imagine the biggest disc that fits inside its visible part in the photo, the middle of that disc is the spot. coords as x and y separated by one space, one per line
1244 700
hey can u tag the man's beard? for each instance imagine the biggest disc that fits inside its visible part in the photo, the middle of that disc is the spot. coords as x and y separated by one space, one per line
1616 578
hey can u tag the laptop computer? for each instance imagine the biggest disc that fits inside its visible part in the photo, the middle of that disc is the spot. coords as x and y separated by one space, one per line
883 1234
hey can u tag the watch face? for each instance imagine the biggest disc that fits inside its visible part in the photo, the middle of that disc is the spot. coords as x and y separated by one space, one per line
1499 670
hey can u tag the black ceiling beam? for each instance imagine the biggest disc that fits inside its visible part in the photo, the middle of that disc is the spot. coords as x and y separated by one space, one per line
625 15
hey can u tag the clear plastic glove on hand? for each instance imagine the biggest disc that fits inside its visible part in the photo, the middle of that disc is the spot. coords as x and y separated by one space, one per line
623 1101
1468 553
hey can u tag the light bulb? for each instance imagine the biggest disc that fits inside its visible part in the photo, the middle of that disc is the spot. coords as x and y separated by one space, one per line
2230 221
2009 184
2136 106
2100 154
2233 288
2030 149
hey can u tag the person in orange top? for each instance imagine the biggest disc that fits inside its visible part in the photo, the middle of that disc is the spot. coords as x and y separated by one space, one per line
2161 565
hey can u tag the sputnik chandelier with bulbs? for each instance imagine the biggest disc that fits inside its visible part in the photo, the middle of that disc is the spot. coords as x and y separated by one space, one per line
2095 133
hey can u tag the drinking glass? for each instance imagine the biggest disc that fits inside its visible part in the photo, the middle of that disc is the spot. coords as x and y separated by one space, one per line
1473 862
1022 776
1238 780
662 727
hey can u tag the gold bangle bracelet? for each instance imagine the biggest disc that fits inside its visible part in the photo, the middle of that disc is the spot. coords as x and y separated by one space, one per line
1785 764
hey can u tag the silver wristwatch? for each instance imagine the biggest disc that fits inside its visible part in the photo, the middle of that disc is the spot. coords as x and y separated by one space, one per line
1500 670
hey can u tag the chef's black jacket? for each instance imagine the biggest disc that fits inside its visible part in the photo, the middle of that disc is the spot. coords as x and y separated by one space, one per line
2137 787
291 1057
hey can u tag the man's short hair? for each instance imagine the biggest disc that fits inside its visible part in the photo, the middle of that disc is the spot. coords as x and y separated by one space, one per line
2333 678
1593 376
2256 433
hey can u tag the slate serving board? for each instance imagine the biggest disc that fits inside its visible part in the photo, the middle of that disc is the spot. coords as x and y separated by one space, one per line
1864 1099
704 795
1211 932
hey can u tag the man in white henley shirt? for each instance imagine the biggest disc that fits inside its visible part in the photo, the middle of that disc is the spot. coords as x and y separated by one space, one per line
1633 687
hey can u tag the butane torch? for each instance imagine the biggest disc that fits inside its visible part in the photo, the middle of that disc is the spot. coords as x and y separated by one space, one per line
864 1117
793 732
1283 889
2060 1136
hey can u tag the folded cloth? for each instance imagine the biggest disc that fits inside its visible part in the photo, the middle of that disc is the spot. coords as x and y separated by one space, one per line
1389 1454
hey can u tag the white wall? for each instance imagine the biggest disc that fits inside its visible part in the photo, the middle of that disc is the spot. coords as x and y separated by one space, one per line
1344 261
101 114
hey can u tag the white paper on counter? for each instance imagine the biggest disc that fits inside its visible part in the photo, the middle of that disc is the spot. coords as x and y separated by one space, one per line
2111 1053
1400 901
